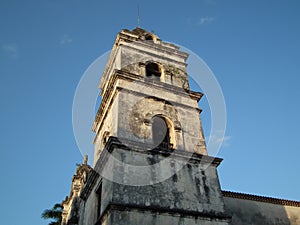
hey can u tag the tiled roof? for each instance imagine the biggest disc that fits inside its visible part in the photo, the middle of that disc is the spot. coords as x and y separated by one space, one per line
277 201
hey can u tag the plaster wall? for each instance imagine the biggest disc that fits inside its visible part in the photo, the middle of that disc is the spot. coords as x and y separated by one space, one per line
251 212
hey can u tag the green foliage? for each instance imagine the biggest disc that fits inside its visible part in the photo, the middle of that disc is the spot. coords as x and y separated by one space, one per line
174 71
55 214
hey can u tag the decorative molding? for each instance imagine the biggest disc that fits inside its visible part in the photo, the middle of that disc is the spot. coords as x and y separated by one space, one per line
145 148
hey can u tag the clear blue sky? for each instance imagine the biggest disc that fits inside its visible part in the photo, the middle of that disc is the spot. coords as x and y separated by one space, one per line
252 47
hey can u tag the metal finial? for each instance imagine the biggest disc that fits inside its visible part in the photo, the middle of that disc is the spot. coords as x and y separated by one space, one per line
138 8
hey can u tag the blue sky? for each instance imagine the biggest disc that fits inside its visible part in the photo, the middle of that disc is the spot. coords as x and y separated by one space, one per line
252 47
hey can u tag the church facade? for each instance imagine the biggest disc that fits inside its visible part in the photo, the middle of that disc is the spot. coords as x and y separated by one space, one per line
150 160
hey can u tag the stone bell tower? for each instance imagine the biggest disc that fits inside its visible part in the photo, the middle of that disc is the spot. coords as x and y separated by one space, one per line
150 160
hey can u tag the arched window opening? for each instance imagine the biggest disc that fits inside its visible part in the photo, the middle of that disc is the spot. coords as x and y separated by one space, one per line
160 132
153 71
149 37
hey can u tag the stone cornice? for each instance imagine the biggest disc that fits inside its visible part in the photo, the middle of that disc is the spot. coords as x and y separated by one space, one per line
153 54
144 148
127 36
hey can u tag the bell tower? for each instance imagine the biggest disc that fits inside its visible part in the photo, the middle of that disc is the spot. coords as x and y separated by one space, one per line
146 77
150 159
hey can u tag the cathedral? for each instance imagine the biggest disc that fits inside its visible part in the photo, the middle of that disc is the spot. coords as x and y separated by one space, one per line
151 164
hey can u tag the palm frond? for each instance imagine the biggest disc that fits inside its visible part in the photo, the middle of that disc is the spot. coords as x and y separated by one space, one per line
57 206
51 214
55 213
55 223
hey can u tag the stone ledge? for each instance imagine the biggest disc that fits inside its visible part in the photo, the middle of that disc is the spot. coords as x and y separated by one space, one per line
146 149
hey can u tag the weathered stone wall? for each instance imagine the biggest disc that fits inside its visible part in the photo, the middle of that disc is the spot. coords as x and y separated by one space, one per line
108 128
194 187
118 217
136 110
181 186
89 215
89 208
244 211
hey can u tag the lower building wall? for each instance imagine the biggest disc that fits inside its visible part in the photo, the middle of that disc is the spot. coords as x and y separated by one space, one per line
120 217
250 212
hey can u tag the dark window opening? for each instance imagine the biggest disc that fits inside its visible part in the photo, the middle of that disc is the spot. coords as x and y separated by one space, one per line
149 37
99 193
160 132
153 71
105 138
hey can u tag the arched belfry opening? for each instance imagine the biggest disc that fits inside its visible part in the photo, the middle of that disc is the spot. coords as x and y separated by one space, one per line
148 37
161 132
153 71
